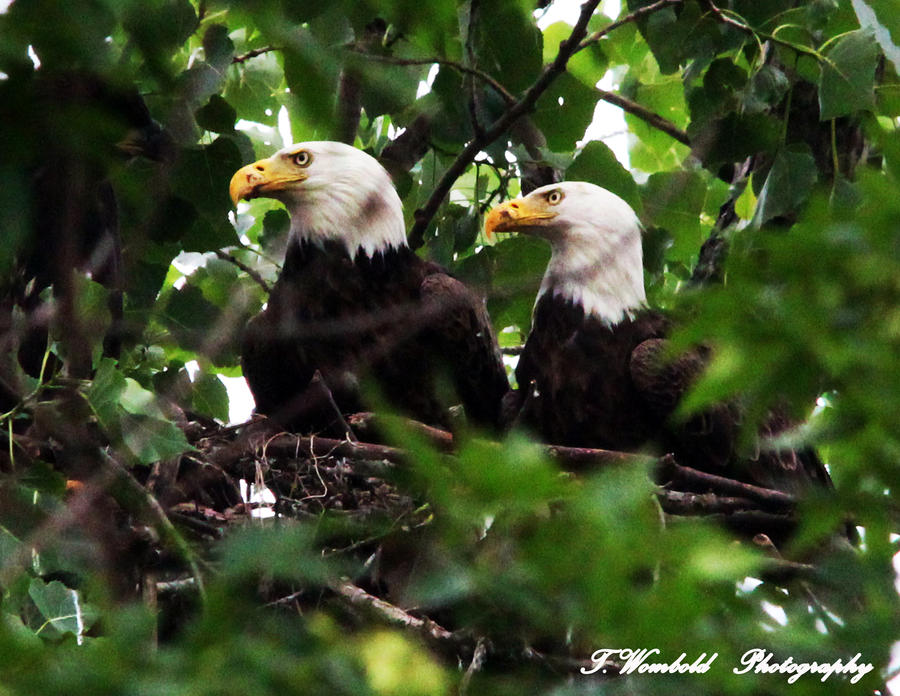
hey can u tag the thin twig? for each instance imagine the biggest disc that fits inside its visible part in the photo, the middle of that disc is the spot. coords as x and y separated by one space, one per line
294 446
523 106
653 119
319 384
244 57
369 424
577 459
723 17
475 665
690 504
670 470
394 614
627 19
459 642
176 585
504 93
245 268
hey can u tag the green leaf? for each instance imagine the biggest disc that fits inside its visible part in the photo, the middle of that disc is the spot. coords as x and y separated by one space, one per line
285 552
787 186
137 400
385 89
674 201
105 391
466 230
217 46
62 608
275 227
312 72
882 18
564 112
161 25
190 317
218 280
210 397
127 410
452 123
398 665
745 205
509 45
11 548
767 87
733 138
689 32
208 235
519 266
252 88
597 164
202 176
654 150
847 80
217 115
757 12
63 41
588 65
658 30
151 439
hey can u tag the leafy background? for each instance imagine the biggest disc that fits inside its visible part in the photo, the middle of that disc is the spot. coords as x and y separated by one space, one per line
769 127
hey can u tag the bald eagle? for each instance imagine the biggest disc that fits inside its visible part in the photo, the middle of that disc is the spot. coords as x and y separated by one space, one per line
594 371
354 302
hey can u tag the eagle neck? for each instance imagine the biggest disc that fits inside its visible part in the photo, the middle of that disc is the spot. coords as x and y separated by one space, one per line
602 273
363 216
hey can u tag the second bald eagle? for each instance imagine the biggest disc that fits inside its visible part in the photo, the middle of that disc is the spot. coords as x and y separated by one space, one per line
355 303
595 370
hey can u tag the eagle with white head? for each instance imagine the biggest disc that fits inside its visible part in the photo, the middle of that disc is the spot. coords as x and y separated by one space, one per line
595 370
354 302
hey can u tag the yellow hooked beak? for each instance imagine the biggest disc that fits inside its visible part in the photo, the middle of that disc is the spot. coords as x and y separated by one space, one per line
263 178
515 215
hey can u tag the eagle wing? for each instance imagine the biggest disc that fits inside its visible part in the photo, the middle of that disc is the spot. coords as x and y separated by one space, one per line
660 379
464 340
710 438
707 439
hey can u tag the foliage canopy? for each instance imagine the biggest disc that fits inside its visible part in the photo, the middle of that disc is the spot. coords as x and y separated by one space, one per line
769 128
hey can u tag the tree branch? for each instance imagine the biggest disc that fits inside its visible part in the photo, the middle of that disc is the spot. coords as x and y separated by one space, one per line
692 504
520 108
576 459
257 278
653 119
401 154
370 424
244 57
426 628
347 108
459 642
670 470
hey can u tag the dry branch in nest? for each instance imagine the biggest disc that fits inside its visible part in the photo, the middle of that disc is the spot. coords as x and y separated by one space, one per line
355 481
686 492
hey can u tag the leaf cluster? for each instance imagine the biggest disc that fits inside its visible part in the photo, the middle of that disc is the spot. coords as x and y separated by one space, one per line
127 276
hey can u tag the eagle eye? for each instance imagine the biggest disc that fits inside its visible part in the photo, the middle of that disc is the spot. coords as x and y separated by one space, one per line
554 197
302 158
